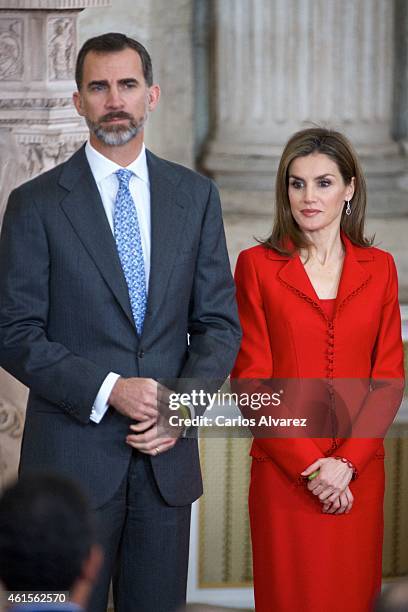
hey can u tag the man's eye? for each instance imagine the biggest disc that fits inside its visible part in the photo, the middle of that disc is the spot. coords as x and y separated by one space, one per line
97 87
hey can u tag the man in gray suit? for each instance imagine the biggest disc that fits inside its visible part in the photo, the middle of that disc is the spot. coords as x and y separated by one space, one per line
113 274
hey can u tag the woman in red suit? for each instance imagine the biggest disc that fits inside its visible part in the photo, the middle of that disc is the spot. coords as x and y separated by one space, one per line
318 301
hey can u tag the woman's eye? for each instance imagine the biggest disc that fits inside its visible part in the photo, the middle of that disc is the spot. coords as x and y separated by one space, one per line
297 184
325 183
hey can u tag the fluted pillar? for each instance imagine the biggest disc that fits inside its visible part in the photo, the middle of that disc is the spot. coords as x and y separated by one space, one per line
401 74
283 64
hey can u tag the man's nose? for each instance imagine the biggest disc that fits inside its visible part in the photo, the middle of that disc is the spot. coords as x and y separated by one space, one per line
114 99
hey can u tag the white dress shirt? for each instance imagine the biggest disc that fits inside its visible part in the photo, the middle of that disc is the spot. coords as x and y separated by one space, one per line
103 170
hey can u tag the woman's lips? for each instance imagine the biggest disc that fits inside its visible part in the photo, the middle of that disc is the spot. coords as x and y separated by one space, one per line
310 212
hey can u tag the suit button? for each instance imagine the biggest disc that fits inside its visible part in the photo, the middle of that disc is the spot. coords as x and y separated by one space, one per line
141 354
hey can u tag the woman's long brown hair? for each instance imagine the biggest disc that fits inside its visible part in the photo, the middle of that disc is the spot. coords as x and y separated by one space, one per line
336 146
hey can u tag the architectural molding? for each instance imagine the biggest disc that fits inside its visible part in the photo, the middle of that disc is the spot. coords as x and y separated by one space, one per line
34 103
51 4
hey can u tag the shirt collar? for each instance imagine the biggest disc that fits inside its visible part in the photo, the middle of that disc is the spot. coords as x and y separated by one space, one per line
102 167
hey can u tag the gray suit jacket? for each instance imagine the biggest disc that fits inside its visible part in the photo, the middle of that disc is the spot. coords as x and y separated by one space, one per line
66 321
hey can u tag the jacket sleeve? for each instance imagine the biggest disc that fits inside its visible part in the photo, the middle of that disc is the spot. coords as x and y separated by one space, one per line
255 362
48 368
213 325
387 382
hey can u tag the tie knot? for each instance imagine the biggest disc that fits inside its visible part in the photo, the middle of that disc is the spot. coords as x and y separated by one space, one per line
124 176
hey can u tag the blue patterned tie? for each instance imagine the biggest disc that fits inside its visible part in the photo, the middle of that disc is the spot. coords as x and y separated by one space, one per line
129 244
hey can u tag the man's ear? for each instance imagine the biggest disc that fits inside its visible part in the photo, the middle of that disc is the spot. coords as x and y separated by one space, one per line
153 97
77 99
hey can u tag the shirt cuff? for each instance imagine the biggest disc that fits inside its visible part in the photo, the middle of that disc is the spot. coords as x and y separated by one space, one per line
101 401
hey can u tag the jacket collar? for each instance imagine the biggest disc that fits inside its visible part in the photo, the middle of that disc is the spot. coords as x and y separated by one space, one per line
354 276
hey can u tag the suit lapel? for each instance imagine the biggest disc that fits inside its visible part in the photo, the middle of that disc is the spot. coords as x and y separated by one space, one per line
294 275
168 214
84 209
353 278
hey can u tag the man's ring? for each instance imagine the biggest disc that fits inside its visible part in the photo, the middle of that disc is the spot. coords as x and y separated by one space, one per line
157 449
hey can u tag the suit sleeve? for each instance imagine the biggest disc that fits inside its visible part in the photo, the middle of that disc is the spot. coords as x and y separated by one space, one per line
255 362
214 328
387 382
48 368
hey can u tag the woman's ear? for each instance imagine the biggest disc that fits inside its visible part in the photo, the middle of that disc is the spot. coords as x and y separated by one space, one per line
351 188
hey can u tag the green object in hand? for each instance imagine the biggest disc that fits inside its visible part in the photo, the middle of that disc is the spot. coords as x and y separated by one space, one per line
313 475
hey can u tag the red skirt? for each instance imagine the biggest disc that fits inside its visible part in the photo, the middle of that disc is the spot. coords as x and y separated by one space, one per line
309 561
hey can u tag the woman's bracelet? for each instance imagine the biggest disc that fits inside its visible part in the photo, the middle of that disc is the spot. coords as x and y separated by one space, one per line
349 464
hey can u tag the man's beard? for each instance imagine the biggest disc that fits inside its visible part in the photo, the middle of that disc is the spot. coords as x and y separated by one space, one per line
116 134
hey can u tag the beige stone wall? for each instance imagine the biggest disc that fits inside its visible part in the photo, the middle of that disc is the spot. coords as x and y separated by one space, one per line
13 397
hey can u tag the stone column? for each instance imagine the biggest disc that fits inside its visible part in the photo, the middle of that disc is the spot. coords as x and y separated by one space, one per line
38 46
282 64
39 128
401 74
170 129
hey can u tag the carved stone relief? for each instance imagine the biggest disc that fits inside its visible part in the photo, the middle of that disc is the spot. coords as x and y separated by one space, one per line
33 104
12 406
13 169
61 48
41 156
11 49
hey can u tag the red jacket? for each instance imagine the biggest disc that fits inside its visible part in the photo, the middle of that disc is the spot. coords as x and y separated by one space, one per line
286 334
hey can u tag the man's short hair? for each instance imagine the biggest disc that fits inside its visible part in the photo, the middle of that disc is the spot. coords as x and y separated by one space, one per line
46 533
112 43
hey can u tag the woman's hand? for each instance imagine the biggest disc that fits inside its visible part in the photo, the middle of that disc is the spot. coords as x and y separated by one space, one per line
341 505
333 478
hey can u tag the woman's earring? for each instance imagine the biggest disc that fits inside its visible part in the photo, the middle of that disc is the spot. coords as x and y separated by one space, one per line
348 208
